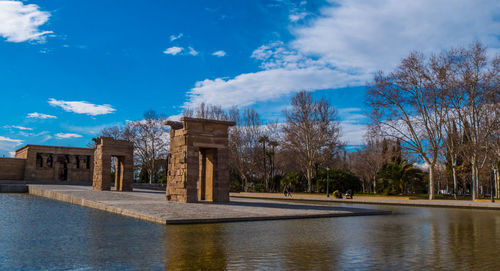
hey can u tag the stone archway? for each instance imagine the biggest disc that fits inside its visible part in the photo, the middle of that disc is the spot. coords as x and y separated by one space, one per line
123 151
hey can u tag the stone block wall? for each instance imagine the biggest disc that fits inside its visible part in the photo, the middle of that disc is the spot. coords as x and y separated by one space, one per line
12 168
192 142
49 163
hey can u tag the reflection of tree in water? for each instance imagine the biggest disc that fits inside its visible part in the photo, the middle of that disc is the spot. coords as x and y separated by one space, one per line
195 247
310 256
310 245
473 239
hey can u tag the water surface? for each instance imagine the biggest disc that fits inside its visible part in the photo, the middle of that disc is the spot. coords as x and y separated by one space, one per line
37 233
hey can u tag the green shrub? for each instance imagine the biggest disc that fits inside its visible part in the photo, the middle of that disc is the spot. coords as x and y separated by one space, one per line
259 188
338 179
235 187
295 180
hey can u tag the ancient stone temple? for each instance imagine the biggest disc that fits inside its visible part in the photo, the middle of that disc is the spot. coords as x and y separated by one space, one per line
48 164
198 160
123 151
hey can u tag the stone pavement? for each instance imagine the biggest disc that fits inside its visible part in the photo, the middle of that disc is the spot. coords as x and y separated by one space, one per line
374 200
151 206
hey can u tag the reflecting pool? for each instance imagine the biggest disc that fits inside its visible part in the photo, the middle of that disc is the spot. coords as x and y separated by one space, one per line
38 233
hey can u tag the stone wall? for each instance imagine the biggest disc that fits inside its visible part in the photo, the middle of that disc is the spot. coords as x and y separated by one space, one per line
12 168
57 164
198 161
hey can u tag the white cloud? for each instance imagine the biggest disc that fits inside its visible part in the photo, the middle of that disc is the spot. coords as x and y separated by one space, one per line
18 127
32 135
12 154
374 35
353 133
8 144
175 117
174 50
176 37
219 53
82 107
346 44
353 125
90 130
20 22
67 135
295 17
277 55
192 51
47 137
246 89
36 115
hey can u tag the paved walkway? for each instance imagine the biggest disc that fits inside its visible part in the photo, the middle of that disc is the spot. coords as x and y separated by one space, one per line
374 200
151 205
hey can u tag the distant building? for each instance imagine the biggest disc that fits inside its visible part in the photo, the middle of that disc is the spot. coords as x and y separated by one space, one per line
49 164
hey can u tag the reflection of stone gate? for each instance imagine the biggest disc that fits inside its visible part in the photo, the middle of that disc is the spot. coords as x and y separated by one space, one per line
123 151
198 160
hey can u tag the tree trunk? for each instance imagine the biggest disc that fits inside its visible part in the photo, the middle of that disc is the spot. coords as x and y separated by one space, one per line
244 183
309 179
431 182
266 182
495 175
152 171
454 175
374 184
479 193
473 182
497 183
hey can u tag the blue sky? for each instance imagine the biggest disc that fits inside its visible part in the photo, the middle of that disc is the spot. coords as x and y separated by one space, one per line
70 68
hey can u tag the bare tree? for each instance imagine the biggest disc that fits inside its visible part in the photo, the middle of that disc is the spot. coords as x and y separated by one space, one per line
406 105
263 140
150 140
311 132
204 111
475 102
244 145
371 157
453 142
115 132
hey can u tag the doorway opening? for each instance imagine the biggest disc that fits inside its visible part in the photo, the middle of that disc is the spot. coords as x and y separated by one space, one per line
62 167
208 164
117 167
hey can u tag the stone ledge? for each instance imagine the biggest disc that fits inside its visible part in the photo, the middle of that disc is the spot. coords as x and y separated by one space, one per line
13 188
382 201
151 206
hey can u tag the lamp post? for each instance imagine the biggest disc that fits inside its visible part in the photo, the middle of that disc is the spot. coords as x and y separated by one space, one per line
327 194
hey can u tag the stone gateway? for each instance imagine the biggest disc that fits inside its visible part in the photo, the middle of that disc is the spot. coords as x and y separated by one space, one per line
123 151
198 161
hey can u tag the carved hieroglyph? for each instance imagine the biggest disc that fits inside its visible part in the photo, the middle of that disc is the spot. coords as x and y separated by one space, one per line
198 161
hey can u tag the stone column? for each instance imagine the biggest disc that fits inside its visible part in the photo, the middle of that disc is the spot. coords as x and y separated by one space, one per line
82 159
72 162
128 171
45 158
221 187
102 170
